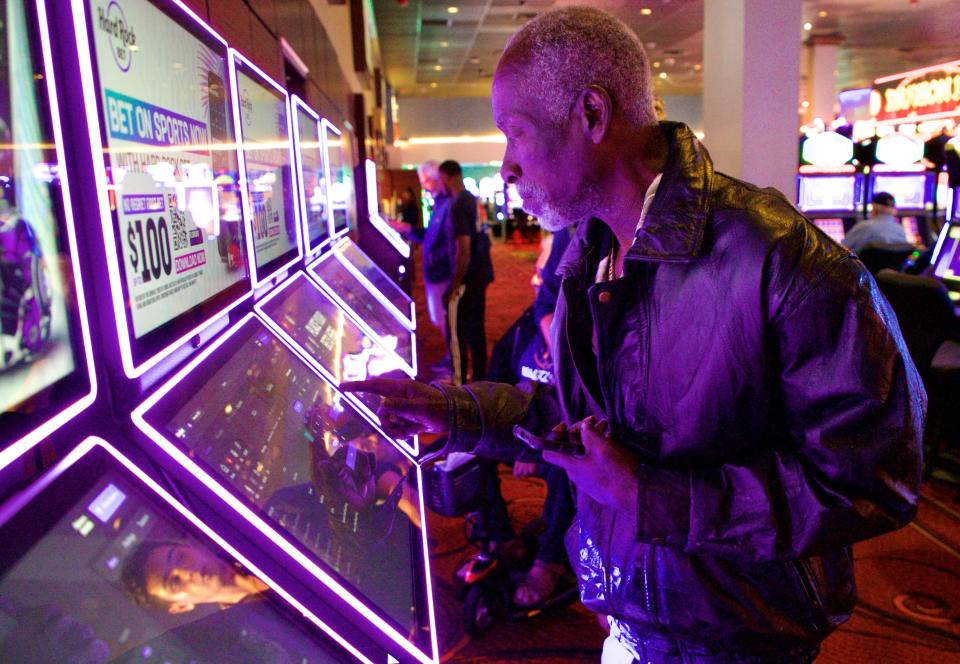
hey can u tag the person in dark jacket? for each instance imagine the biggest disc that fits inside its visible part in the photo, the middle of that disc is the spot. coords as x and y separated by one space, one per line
746 401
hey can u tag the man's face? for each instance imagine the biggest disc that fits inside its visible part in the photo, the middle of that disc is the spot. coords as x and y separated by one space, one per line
184 576
551 165
430 181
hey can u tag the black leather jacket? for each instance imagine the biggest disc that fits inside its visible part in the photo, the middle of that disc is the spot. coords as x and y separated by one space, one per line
762 379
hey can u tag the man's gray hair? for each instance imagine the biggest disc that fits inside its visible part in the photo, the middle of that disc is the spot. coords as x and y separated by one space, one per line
563 51
429 167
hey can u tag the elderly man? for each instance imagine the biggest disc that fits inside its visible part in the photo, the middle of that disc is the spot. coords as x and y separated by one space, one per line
745 399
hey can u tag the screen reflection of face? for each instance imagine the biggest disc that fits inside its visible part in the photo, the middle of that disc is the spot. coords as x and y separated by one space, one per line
185 576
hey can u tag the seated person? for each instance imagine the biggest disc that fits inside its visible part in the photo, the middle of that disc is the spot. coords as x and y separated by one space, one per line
522 355
882 228
177 577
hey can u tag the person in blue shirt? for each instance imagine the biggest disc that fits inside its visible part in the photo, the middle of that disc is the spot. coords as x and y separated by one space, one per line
882 228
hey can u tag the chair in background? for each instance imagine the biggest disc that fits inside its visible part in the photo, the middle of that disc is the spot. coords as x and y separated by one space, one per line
931 331
886 257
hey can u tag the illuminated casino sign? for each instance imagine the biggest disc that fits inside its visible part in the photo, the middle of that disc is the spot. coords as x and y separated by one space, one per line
922 94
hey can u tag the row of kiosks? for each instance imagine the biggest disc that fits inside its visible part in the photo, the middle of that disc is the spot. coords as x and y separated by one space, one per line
181 477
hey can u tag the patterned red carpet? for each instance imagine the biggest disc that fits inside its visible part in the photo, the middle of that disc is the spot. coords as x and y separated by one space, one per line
909 581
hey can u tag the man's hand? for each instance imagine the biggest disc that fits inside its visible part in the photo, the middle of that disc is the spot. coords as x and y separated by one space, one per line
606 472
409 407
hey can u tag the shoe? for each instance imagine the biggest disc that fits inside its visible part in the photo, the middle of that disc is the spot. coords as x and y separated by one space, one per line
478 566
539 585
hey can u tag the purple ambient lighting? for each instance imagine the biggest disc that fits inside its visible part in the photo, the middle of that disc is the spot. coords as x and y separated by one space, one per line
297 105
88 444
190 466
90 105
255 278
408 319
21 445
373 212
325 126
307 357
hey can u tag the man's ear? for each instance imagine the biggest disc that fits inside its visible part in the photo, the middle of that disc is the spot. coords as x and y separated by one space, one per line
596 111
180 607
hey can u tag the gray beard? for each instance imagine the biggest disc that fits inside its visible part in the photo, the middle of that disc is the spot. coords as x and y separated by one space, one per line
557 217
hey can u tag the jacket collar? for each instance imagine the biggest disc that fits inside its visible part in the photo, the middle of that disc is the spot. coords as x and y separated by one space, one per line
673 229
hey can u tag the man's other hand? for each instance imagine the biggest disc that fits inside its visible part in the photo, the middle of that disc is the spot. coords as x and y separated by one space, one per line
409 407
607 471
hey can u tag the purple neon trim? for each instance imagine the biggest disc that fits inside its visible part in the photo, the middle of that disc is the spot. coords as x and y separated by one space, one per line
302 353
298 104
326 125
373 211
255 279
410 368
139 420
90 104
54 422
410 321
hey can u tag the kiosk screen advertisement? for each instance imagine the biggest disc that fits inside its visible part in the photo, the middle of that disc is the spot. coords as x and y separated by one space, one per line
312 179
267 156
341 191
41 348
140 584
170 157
284 439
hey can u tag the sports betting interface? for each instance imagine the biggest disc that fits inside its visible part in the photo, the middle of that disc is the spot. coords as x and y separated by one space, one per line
317 325
344 285
353 258
139 584
264 423
171 169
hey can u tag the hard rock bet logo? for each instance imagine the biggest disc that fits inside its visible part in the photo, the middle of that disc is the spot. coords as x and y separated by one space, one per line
123 40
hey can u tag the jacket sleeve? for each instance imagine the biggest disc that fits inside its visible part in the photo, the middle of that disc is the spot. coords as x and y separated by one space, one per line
850 466
482 416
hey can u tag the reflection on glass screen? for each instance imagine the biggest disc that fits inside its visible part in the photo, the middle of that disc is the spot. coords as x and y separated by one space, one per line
320 327
314 182
352 254
116 580
367 307
35 343
269 426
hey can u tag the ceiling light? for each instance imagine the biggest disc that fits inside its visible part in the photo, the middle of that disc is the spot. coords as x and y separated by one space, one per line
646 11
656 64
437 67
434 84
651 44
669 61
822 14
697 67
805 104
663 74
452 10
475 60
444 44
808 26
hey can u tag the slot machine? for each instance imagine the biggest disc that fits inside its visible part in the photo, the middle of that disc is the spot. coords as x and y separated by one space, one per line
913 187
220 496
829 187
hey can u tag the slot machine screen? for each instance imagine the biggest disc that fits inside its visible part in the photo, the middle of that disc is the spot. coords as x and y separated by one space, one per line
263 119
357 261
946 258
313 182
288 444
45 368
140 583
340 179
348 291
832 227
342 350
828 193
909 191
170 205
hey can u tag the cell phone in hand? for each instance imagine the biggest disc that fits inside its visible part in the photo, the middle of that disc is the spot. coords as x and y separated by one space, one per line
553 441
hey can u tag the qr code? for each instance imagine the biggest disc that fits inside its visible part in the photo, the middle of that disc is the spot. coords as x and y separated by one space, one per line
178 229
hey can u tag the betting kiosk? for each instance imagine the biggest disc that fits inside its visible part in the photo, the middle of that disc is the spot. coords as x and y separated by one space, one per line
221 498
901 174
946 259
829 186
340 196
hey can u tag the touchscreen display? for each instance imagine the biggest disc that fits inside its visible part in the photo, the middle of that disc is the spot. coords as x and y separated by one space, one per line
266 154
313 205
262 421
341 179
101 570
354 294
827 193
39 340
947 265
909 191
170 158
351 255
832 227
320 327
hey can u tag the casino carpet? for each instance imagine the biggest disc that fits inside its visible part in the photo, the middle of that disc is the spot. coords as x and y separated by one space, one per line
909 581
